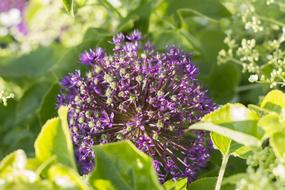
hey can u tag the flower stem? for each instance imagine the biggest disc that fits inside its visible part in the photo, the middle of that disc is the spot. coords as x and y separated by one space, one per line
248 87
222 171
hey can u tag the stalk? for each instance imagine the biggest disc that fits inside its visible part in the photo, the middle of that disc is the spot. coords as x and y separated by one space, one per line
222 171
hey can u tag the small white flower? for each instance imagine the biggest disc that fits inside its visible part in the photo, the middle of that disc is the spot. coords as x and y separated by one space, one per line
253 78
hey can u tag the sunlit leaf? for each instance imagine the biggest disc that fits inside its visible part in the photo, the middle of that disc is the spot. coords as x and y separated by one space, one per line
229 125
176 185
14 161
68 4
129 169
66 178
277 142
55 140
274 101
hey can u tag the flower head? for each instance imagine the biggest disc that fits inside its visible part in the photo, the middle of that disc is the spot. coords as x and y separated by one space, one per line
142 95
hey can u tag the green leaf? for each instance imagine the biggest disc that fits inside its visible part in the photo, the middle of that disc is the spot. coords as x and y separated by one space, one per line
15 175
221 143
54 140
125 166
231 122
208 183
138 17
277 142
176 185
203 184
101 184
236 117
260 111
274 126
68 4
274 101
31 102
65 178
14 161
222 82
37 64
271 124
217 9
242 152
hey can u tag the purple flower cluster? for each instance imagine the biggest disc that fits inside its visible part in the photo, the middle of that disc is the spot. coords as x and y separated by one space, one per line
142 95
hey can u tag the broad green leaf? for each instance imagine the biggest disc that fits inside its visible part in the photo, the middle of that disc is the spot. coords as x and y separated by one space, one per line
31 102
54 140
232 122
274 101
37 64
236 117
242 152
15 161
274 127
221 143
206 183
223 81
240 137
277 142
33 164
68 4
65 178
176 185
271 124
125 167
260 111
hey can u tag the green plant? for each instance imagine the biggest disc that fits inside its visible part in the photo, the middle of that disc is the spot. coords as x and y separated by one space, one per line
242 131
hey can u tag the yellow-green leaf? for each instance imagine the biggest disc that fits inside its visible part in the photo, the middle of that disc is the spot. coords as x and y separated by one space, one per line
66 178
274 101
54 140
68 4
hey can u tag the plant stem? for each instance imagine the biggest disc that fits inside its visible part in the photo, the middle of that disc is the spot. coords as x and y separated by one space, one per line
222 171
248 87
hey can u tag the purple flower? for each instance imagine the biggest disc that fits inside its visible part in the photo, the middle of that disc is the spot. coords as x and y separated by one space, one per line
118 39
142 95
135 36
89 57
